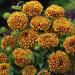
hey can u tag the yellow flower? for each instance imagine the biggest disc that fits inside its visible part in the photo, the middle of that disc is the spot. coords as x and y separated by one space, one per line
4 69
3 58
8 40
58 62
32 8
44 72
48 40
22 56
27 38
29 70
54 11
40 23
62 26
69 45
17 20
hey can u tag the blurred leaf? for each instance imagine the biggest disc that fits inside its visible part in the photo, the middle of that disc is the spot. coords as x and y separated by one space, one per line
6 15
15 33
16 7
3 30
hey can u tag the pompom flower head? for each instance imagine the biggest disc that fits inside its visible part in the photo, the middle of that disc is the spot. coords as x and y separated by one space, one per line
3 58
48 40
43 72
59 62
54 11
29 70
40 23
22 56
69 45
4 69
17 20
8 40
32 8
62 26
27 38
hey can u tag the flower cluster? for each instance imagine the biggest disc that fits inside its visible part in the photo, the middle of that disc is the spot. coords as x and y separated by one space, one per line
41 43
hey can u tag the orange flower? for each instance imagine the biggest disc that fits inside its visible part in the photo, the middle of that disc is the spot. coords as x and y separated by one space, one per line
59 62
54 11
21 56
27 38
48 40
62 26
43 72
40 23
4 69
3 58
69 45
32 8
17 20
29 70
8 40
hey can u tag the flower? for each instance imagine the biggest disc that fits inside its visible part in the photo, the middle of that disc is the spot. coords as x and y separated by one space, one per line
27 38
48 40
22 56
58 62
54 11
62 26
32 8
69 45
4 69
8 40
17 20
29 70
43 72
3 58
40 23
